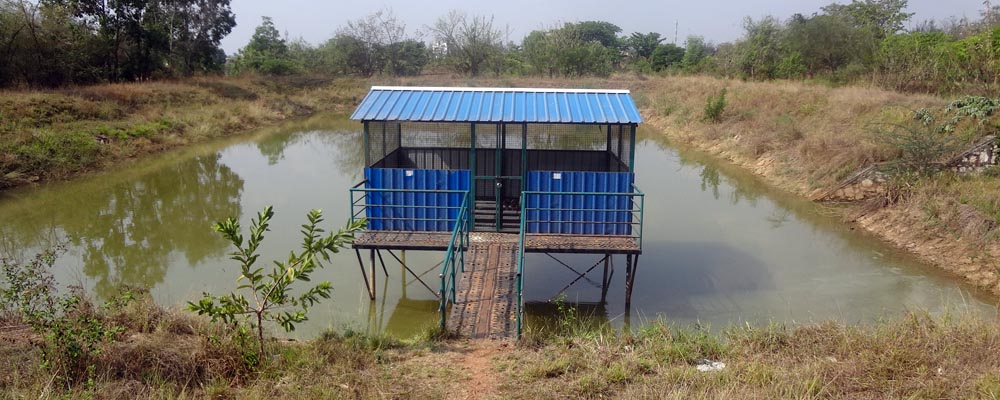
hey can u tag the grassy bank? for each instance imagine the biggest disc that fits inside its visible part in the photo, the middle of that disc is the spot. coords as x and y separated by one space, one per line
51 135
157 353
806 138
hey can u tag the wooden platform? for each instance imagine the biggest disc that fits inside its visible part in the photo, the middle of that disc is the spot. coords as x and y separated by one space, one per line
534 243
486 296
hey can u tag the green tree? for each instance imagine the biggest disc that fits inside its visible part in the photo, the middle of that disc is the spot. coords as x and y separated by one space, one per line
666 56
267 52
539 53
761 47
195 28
695 50
882 17
642 45
407 57
566 51
825 43
601 32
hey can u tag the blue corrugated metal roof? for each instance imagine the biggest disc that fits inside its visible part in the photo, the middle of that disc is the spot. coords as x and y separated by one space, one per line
443 104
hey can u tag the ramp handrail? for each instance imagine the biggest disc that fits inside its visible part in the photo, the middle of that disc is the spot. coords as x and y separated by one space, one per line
458 244
636 210
519 313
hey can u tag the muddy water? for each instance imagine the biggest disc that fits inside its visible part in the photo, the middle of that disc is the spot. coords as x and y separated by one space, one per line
720 247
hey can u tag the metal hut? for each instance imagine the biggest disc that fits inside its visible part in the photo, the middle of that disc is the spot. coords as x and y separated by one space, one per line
486 175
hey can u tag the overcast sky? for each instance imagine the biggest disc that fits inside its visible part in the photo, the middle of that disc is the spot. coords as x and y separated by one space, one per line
716 20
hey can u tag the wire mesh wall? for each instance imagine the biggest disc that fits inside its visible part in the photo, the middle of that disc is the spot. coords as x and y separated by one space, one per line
567 137
446 145
382 139
436 135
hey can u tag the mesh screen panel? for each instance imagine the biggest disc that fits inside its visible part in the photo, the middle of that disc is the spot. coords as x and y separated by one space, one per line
385 138
566 137
436 135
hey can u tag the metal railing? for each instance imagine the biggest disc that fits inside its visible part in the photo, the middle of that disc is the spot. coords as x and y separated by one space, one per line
585 213
457 244
627 221
519 313
390 207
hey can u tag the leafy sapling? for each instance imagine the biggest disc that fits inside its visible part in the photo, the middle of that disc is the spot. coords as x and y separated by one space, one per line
268 296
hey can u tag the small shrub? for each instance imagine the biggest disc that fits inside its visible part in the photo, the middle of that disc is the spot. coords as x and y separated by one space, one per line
715 107
72 329
921 144
271 297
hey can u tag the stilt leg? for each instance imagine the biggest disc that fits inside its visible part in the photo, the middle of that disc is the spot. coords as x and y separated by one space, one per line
402 271
604 280
628 282
364 276
372 275
381 261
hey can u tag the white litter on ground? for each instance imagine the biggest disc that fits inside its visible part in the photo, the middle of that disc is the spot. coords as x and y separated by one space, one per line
710 366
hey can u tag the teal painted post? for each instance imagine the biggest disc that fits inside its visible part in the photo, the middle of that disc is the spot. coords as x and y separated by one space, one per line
611 160
368 161
497 173
472 168
642 218
350 207
443 307
609 139
631 149
621 141
524 159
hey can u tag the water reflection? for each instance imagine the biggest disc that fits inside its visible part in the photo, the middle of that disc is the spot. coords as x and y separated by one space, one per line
710 180
126 231
136 226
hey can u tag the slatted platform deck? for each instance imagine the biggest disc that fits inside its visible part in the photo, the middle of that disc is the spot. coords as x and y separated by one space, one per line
486 299
534 243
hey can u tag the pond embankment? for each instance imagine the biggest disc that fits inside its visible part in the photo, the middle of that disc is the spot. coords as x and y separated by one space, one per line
58 134
807 138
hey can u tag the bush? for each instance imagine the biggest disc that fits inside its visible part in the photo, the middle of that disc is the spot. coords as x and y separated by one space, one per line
70 325
715 106
271 293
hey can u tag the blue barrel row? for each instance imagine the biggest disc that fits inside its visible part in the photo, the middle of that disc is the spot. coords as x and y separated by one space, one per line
419 207
579 214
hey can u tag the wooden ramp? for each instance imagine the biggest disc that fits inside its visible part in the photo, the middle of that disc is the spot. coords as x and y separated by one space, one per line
486 295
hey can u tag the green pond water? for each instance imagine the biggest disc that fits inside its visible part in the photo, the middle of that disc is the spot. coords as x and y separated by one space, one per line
720 246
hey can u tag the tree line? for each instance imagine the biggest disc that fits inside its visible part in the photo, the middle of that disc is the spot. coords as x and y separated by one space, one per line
59 42
55 42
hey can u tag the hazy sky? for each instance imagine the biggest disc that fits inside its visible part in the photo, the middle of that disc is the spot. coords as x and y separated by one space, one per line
716 20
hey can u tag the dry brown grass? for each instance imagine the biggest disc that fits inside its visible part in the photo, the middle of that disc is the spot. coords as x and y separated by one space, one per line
47 135
813 134
173 354
914 357
806 138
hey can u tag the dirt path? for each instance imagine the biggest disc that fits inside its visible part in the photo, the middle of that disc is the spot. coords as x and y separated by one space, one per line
471 368
479 366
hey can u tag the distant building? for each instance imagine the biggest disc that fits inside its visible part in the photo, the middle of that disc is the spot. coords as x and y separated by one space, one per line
439 49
